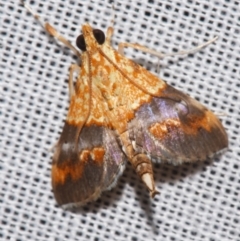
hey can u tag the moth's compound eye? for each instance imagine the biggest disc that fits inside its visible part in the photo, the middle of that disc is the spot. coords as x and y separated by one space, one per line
80 42
99 35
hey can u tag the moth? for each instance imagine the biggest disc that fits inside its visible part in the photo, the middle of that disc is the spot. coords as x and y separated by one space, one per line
121 112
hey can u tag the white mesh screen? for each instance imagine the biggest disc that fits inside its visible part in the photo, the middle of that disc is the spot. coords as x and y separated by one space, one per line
197 202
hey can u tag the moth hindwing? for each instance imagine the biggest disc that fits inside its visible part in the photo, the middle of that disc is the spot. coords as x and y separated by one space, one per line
119 111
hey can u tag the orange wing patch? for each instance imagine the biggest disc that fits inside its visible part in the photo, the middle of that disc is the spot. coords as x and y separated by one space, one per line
74 170
161 130
67 170
191 125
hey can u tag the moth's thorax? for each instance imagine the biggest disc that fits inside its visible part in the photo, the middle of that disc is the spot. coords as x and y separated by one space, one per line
113 96
115 91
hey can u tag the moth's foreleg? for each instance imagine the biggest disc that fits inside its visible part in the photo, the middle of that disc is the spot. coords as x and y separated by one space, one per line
111 28
109 34
73 71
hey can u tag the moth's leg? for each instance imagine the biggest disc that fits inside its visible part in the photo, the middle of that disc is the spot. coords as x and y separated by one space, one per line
121 47
219 114
74 68
51 30
141 163
109 34
111 28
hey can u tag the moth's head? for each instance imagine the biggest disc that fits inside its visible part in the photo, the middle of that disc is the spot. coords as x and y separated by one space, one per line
90 39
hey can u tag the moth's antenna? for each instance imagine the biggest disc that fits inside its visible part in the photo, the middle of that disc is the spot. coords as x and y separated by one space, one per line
36 16
121 47
51 30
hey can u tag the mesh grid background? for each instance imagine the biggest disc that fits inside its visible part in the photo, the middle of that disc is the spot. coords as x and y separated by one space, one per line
197 202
